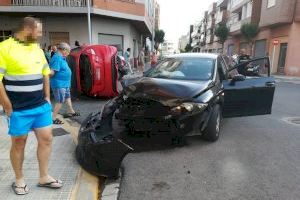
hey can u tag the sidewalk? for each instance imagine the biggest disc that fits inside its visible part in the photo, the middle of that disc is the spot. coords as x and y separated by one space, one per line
63 166
289 79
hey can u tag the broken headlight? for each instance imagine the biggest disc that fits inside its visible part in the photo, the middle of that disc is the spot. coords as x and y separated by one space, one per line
188 107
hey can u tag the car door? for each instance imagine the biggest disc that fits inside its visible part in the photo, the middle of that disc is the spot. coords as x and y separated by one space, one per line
252 94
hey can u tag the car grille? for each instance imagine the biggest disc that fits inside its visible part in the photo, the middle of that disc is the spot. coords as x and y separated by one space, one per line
144 107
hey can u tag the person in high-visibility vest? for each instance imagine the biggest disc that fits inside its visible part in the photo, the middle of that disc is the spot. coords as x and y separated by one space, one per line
25 97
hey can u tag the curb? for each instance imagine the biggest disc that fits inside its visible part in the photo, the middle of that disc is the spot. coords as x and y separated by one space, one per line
112 188
87 185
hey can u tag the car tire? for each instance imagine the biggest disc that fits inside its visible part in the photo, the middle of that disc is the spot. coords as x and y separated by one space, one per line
212 131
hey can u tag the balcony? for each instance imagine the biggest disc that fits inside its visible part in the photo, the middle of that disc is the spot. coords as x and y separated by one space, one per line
236 5
222 4
235 28
211 24
50 3
209 39
212 8
283 12
221 16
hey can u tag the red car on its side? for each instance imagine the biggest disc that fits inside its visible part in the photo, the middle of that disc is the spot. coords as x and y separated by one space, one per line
95 70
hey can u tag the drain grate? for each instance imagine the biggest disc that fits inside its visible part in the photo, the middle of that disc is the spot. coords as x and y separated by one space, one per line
292 120
59 132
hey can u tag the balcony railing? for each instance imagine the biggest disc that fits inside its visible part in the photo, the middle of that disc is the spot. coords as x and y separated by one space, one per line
51 3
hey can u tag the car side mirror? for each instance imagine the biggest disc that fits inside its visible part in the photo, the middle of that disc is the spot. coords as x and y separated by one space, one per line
236 78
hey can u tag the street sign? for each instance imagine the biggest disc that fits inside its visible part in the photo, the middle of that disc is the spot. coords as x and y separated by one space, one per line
275 42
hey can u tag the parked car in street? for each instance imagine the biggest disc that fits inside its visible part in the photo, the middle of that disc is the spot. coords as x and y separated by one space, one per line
96 70
184 93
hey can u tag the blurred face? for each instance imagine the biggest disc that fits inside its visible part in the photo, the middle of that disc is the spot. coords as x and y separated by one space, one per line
33 34
65 52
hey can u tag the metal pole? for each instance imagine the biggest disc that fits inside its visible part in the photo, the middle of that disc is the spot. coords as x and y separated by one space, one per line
153 28
89 21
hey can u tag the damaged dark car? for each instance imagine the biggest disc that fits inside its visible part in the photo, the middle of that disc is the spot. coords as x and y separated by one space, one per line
184 93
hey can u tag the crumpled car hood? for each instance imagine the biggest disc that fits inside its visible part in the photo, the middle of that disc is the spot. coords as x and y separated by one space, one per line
168 92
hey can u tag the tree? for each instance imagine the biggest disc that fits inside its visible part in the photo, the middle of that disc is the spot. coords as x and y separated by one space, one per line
159 38
250 31
188 48
222 32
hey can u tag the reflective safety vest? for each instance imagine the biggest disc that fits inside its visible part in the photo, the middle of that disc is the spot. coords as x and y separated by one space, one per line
22 67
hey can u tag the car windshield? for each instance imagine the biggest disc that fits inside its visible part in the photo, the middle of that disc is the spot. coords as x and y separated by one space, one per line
184 69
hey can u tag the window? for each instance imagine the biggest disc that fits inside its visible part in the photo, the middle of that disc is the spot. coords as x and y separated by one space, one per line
271 3
184 69
240 16
4 35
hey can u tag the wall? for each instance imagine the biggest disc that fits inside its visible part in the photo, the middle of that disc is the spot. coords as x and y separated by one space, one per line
121 6
115 27
282 12
293 59
5 2
76 26
297 11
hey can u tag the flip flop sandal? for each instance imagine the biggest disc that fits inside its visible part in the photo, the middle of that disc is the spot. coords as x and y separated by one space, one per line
58 121
54 184
67 115
20 190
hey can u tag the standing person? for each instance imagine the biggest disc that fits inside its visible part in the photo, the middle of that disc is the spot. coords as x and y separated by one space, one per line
127 59
243 57
77 44
153 59
48 53
25 96
127 55
61 82
141 60
53 50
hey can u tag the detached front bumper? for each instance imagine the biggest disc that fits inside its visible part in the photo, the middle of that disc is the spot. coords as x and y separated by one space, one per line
98 151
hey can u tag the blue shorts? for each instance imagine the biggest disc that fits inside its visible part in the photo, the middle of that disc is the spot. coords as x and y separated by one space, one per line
61 94
23 121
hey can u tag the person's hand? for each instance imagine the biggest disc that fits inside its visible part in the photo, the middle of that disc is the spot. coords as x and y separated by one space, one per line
8 109
48 99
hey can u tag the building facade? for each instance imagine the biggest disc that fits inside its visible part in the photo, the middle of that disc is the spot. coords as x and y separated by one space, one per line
121 23
279 33
278 36
183 41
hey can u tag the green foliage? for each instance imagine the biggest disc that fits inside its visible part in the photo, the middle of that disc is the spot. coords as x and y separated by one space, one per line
249 31
159 38
188 48
222 32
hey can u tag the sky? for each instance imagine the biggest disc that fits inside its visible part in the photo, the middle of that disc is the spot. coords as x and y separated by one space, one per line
176 16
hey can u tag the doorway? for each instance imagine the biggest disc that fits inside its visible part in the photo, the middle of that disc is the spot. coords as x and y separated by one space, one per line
282 57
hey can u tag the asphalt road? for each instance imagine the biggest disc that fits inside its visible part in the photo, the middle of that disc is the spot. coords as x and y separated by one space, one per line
255 158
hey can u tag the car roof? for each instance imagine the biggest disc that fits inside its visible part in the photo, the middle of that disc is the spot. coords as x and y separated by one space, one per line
194 55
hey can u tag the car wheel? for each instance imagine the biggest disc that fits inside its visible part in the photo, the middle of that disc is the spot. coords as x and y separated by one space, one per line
212 131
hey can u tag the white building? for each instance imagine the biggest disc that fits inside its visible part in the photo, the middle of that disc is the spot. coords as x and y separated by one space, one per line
124 24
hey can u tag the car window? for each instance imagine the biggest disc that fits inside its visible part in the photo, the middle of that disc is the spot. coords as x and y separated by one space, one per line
184 69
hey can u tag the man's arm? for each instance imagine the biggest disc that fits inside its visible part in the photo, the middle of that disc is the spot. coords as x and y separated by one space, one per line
4 100
47 88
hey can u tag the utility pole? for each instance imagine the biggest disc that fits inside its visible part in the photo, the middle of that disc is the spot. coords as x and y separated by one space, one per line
153 25
89 21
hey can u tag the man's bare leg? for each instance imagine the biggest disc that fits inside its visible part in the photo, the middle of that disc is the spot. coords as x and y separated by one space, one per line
44 138
57 107
17 157
70 107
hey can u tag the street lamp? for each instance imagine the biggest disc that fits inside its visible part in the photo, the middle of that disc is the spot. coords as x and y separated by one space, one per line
89 21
